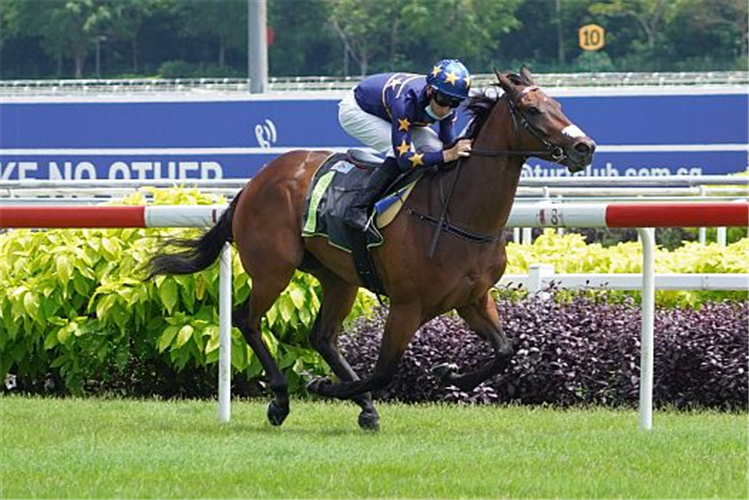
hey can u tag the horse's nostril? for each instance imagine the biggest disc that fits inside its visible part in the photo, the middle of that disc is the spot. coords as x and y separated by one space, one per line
582 148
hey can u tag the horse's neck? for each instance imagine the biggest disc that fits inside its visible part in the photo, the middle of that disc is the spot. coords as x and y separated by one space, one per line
486 188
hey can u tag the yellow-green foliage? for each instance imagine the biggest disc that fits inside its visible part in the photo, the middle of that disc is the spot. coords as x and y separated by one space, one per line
570 254
76 300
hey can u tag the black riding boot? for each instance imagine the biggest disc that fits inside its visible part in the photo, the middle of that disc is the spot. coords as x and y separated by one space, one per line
357 214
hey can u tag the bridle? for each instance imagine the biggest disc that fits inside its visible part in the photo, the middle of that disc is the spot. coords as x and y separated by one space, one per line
442 223
555 152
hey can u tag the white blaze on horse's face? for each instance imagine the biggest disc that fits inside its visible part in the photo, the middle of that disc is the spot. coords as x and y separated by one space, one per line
573 131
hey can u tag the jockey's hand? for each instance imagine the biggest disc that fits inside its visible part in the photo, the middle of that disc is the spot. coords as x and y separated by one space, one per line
460 148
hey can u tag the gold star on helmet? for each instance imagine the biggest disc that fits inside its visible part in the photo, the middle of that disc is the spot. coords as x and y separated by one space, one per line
436 70
416 160
403 148
403 124
451 78
468 82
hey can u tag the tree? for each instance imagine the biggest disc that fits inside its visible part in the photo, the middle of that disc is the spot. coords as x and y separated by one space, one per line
716 14
360 25
225 21
546 36
650 17
66 28
470 30
9 20
127 19
413 34
305 42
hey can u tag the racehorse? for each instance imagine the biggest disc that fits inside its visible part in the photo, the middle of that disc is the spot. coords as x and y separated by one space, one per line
265 223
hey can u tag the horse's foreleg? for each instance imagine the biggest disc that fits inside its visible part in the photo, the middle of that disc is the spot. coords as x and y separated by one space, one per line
482 317
338 298
400 327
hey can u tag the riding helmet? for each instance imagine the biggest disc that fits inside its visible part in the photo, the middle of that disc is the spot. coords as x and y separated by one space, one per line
450 77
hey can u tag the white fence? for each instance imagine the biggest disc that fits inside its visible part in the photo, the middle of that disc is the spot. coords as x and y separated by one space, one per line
563 189
327 83
542 276
526 215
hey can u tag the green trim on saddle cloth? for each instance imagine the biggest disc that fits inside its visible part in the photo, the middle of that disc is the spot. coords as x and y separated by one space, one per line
317 193
334 186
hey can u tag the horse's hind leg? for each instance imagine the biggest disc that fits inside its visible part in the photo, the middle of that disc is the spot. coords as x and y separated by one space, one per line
482 317
265 290
338 298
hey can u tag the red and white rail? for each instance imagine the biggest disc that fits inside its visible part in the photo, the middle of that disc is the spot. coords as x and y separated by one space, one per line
542 214
105 216
643 216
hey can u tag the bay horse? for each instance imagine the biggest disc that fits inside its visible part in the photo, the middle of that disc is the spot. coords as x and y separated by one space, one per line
265 222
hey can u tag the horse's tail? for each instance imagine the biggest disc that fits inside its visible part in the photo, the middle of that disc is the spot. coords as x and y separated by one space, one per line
198 253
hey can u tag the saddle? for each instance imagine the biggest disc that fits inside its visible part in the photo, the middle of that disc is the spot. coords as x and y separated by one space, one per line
334 186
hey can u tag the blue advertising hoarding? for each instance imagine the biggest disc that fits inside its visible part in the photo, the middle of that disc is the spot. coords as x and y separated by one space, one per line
655 133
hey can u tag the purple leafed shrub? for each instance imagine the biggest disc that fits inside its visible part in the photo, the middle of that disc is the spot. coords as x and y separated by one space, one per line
580 351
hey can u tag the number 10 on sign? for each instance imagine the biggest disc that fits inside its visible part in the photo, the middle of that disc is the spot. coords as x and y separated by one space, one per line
591 37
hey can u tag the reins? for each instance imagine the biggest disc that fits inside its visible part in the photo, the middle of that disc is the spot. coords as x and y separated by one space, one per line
441 224
443 216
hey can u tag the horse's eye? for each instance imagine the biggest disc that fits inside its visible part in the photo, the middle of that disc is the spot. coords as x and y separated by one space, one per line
533 111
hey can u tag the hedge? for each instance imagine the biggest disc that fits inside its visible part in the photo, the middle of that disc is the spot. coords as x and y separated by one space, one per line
581 351
76 314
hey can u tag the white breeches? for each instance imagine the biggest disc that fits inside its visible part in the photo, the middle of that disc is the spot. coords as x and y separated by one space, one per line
376 133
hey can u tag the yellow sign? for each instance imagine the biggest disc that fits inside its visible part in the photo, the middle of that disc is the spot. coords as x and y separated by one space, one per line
591 37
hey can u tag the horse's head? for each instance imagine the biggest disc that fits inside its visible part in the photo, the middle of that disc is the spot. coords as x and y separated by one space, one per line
543 126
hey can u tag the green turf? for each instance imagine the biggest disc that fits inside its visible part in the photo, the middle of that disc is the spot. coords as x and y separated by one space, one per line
52 448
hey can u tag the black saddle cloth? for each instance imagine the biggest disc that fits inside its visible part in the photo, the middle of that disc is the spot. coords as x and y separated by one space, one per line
334 187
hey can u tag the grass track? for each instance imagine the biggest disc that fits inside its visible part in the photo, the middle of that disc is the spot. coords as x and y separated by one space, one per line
52 448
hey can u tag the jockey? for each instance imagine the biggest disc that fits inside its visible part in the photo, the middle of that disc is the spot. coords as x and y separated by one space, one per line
392 113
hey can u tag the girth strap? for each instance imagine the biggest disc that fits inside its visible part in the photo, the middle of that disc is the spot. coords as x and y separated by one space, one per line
454 230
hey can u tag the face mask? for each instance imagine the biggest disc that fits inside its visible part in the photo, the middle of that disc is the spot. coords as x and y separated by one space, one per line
431 113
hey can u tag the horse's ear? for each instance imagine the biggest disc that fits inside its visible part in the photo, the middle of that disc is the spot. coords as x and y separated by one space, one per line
505 83
526 74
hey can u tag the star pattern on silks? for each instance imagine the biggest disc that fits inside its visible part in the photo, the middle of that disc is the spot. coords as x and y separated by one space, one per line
436 70
404 124
395 82
451 78
416 160
403 148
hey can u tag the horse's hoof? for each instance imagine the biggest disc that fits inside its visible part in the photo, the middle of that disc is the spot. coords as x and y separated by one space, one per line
369 421
318 386
277 414
445 371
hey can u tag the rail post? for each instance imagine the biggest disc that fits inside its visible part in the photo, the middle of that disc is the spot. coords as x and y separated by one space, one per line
536 275
647 236
224 322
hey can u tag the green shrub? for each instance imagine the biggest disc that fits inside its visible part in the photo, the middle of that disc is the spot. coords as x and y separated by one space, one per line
176 69
74 303
74 306
569 253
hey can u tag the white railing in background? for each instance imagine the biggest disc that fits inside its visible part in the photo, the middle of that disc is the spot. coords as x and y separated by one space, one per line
328 83
565 189
729 186
542 276
527 215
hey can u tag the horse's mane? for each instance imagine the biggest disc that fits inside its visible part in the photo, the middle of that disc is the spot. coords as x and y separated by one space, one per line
480 105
